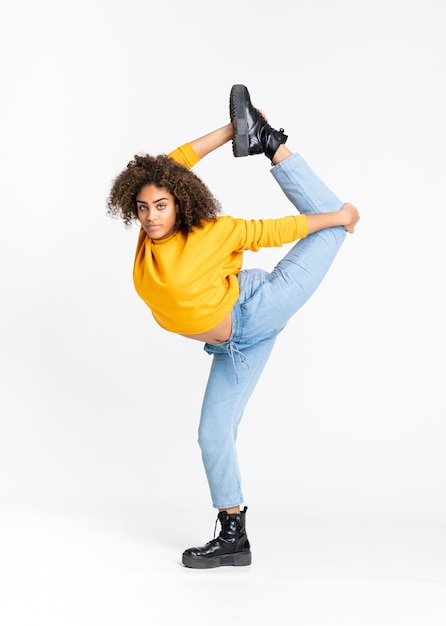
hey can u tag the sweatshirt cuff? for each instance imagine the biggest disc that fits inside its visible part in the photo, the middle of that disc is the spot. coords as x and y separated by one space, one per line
185 155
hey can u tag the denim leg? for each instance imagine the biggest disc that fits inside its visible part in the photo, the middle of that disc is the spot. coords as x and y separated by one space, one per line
303 187
223 406
300 272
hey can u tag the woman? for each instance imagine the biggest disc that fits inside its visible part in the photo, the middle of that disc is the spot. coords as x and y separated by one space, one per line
188 271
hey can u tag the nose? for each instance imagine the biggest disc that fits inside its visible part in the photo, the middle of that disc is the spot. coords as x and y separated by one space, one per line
150 215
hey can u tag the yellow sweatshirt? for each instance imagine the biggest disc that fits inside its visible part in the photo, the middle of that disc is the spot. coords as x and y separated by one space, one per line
190 282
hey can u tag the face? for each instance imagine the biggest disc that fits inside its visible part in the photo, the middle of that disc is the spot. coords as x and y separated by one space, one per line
156 211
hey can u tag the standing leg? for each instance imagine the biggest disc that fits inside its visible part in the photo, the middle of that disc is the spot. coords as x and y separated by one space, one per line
232 380
225 400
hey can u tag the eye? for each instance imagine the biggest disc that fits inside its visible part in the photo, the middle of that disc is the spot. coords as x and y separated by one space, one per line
142 207
160 207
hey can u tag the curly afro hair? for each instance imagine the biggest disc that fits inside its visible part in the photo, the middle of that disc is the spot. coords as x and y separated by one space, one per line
195 202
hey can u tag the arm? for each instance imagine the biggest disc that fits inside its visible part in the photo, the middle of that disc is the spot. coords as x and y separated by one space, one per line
213 140
190 153
347 217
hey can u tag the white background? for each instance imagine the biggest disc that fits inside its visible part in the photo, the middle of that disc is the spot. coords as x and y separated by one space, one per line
100 407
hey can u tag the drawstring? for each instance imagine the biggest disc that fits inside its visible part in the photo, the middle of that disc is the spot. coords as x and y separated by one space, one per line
233 350
230 348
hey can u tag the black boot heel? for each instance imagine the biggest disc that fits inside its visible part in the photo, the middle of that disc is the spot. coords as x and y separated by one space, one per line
239 559
237 109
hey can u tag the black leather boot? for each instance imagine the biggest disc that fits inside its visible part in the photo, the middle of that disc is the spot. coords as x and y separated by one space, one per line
252 133
231 547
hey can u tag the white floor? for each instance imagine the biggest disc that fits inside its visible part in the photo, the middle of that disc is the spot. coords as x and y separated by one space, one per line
84 565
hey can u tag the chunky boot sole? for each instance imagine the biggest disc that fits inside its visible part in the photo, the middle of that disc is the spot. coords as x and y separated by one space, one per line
207 562
238 100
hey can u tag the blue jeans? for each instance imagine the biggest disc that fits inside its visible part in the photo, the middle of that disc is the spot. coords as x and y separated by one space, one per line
267 301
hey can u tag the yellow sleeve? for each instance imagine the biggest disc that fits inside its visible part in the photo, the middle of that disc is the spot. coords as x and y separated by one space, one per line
185 155
273 233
